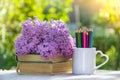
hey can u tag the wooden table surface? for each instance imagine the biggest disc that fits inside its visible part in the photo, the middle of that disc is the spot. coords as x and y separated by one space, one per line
98 75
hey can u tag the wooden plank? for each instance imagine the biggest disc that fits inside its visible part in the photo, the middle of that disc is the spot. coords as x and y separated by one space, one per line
45 68
65 67
35 64
34 68
32 57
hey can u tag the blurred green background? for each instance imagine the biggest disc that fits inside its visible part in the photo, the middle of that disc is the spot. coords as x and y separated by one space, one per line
102 15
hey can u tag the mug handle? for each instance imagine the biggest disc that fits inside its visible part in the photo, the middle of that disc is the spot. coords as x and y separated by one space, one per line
102 55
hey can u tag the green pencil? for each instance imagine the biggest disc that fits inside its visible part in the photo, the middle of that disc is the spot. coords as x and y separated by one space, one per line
81 34
79 39
76 36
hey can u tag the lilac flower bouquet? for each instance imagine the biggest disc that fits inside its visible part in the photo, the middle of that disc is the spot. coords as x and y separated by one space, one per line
45 38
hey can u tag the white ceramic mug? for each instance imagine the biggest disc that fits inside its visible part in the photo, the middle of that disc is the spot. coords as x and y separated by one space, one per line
84 60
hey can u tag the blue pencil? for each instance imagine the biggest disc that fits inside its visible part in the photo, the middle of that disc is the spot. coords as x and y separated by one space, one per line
91 38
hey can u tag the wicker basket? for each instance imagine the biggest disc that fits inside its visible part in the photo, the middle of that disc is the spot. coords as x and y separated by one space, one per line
34 64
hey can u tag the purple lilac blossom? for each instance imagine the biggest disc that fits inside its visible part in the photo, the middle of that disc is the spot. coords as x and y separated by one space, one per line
45 38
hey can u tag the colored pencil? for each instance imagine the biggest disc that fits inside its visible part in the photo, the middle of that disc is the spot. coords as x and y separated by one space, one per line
90 38
76 35
84 39
79 40
87 40
81 33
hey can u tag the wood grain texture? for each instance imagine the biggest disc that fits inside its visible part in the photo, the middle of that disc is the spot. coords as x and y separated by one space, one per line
59 65
32 57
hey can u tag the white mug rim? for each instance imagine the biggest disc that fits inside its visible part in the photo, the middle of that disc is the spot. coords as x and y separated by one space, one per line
86 48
